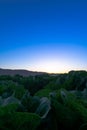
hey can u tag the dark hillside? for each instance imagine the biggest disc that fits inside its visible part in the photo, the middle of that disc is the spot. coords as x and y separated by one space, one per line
19 72
43 101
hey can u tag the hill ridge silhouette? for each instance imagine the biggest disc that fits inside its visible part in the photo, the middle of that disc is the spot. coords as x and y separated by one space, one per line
22 72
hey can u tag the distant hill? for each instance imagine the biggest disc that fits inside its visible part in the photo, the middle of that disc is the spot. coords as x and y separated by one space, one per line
19 72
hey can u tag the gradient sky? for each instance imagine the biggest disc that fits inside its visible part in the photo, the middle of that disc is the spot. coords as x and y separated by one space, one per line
43 35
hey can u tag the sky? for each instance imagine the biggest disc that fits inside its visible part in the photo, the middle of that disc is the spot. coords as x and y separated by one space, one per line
43 35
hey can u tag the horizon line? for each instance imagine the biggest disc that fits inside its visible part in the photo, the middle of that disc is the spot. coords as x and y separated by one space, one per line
23 69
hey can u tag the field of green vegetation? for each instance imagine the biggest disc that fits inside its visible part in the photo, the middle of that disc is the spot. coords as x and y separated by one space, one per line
44 102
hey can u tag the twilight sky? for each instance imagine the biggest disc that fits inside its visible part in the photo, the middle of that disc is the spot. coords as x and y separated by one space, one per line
43 35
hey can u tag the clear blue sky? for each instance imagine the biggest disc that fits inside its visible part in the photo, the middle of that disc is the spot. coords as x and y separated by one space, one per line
43 35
